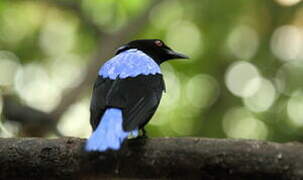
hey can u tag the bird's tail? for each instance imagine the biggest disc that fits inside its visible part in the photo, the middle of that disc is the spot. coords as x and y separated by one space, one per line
109 133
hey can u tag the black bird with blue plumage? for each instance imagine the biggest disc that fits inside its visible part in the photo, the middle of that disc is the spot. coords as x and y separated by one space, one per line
127 92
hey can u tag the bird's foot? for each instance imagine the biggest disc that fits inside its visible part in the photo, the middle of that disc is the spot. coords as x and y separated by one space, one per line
143 134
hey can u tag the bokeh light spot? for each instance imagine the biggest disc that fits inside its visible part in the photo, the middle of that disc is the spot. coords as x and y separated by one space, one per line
9 128
289 77
1 105
185 36
74 121
287 42
294 108
243 42
110 15
202 90
58 35
238 77
15 25
182 128
263 98
33 85
288 2
9 64
170 98
239 123
58 69
166 13
173 89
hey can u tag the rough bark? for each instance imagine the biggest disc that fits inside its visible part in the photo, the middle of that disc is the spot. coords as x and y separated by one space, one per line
165 158
33 122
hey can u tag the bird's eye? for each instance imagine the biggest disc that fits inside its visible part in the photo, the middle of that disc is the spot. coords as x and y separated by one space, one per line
158 43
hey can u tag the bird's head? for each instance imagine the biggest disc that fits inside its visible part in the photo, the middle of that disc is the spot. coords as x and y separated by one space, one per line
155 48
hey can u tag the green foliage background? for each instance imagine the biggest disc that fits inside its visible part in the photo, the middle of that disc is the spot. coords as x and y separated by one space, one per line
243 79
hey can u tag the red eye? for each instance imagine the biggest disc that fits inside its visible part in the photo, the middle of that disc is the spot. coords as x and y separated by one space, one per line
158 43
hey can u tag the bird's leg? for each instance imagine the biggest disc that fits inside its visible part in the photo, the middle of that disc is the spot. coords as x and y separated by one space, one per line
144 133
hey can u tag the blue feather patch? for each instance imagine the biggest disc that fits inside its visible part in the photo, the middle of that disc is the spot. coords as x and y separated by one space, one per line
109 133
130 63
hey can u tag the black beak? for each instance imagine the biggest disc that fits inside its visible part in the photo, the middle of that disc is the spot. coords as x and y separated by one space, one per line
176 55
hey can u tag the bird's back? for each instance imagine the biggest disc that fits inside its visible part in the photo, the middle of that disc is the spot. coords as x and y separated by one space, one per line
131 81
130 63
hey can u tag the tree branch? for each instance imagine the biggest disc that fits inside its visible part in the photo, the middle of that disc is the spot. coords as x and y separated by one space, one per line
190 158
33 121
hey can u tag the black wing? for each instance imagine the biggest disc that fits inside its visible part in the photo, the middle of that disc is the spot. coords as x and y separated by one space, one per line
138 97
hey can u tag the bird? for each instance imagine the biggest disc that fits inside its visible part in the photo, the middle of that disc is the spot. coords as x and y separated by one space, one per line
127 92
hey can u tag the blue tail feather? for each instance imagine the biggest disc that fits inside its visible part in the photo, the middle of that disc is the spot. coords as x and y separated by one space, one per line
109 133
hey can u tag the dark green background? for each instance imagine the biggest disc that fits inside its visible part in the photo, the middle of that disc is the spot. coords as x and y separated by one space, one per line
44 48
